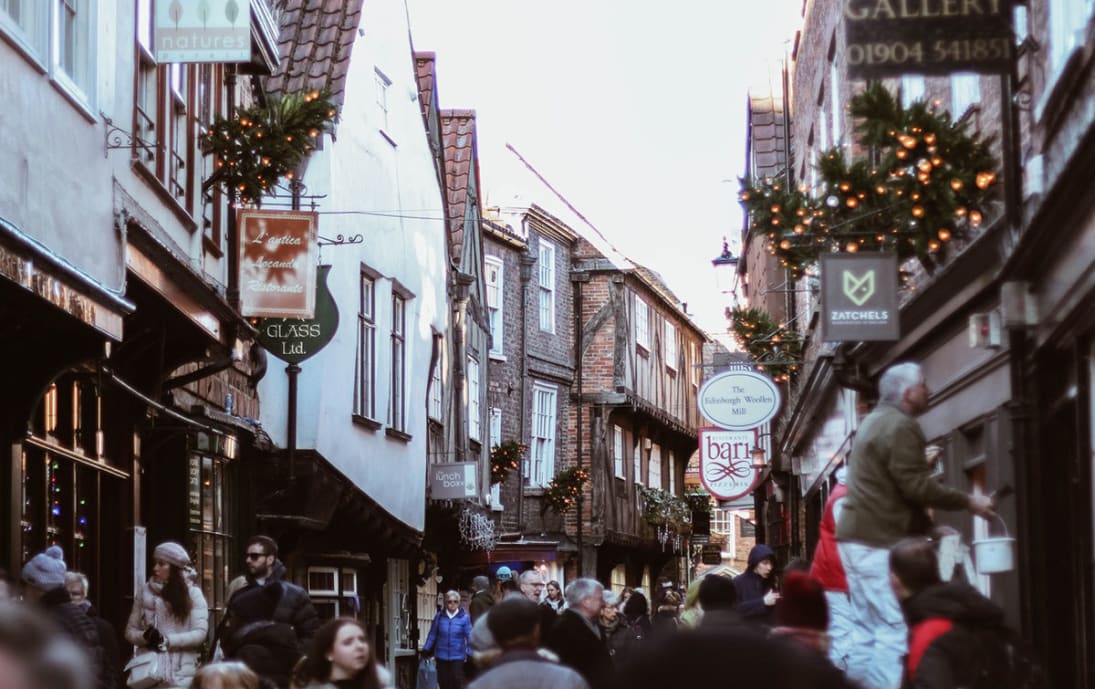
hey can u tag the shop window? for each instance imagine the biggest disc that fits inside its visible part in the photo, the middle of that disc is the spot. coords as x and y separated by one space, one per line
618 579
399 611
211 488
334 592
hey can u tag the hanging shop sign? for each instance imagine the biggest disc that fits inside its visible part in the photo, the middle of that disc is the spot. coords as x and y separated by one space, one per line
277 251
859 298
711 554
739 400
295 339
455 481
202 31
892 37
726 462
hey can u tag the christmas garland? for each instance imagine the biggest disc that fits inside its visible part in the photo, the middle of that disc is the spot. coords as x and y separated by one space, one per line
504 458
775 349
260 144
927 182
563 491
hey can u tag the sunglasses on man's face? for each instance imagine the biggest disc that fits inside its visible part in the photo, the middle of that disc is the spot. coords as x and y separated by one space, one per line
255 556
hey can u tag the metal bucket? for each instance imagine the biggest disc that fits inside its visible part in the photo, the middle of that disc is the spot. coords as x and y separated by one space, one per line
995 554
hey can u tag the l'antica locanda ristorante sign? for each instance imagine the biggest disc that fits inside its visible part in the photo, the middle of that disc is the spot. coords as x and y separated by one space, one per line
893 37
277 263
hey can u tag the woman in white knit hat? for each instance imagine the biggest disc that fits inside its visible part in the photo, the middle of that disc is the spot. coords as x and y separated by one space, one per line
170 614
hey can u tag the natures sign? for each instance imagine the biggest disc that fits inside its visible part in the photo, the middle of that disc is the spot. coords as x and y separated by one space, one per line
202 31
739 400
859 297
893 37
726 466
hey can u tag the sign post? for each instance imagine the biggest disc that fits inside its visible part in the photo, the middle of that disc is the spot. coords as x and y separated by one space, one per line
295 339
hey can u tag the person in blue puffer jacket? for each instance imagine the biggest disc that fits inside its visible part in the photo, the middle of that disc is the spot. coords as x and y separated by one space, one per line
449 641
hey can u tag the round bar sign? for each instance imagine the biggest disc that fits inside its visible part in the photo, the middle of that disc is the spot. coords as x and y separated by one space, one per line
739 400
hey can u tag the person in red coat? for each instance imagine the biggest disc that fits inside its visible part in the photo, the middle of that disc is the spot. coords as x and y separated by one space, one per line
828 570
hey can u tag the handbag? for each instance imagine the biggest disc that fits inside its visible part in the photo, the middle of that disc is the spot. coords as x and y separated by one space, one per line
427 674
147 670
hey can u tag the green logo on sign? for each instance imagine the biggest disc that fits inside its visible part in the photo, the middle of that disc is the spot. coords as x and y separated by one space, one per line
859 289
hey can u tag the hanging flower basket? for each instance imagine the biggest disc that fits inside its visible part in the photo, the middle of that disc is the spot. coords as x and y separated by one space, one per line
562 493
504 458
663 509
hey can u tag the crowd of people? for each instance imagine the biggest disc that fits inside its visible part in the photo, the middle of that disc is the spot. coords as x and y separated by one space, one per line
871 610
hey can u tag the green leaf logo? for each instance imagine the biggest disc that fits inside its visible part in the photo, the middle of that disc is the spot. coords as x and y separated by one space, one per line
859 289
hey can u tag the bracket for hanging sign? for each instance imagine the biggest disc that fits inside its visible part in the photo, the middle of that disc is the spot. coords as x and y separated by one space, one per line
342 239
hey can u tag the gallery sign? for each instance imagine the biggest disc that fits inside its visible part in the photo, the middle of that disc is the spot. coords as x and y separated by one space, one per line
726 462
295 339
278 256
455 481
893 37
739 399
859 298
202 31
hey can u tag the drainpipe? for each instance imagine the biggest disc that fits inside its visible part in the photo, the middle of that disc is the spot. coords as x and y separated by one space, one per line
459 364
579 343
527 261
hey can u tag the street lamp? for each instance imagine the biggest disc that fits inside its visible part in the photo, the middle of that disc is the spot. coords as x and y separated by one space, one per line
758 459
726 269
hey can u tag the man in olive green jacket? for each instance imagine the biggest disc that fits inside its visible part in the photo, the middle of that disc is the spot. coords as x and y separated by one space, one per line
890 485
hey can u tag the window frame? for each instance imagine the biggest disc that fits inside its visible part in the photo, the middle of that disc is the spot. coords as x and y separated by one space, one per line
642 323
397 392
495 303
365 363
473 406
671 348
540 462
619 468
436 404
654 467
965 92
547 287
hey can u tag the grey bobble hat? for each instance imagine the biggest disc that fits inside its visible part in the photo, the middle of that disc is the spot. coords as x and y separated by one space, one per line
46 570
172 553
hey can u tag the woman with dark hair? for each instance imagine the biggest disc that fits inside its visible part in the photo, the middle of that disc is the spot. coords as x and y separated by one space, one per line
341 657
553 596
170 614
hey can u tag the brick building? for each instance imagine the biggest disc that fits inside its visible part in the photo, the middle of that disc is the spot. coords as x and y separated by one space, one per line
1012 405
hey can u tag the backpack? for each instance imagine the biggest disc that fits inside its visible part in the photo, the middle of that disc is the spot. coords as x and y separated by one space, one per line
1007 662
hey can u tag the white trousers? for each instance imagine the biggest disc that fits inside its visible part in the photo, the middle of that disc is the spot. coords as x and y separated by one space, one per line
879 635
841 627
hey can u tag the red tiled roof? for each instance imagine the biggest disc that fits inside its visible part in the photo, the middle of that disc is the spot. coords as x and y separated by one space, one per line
461 162
315 38
425 70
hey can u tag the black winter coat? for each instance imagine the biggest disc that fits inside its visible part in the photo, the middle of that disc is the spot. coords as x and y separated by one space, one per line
280 601
751 588
82 629
960 656
580 648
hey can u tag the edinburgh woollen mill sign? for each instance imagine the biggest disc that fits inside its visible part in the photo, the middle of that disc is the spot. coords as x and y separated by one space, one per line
739 400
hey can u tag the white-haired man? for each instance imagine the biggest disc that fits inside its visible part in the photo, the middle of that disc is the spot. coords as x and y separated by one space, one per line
576 637
889 487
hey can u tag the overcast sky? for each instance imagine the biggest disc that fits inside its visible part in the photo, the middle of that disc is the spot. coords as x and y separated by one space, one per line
633 109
